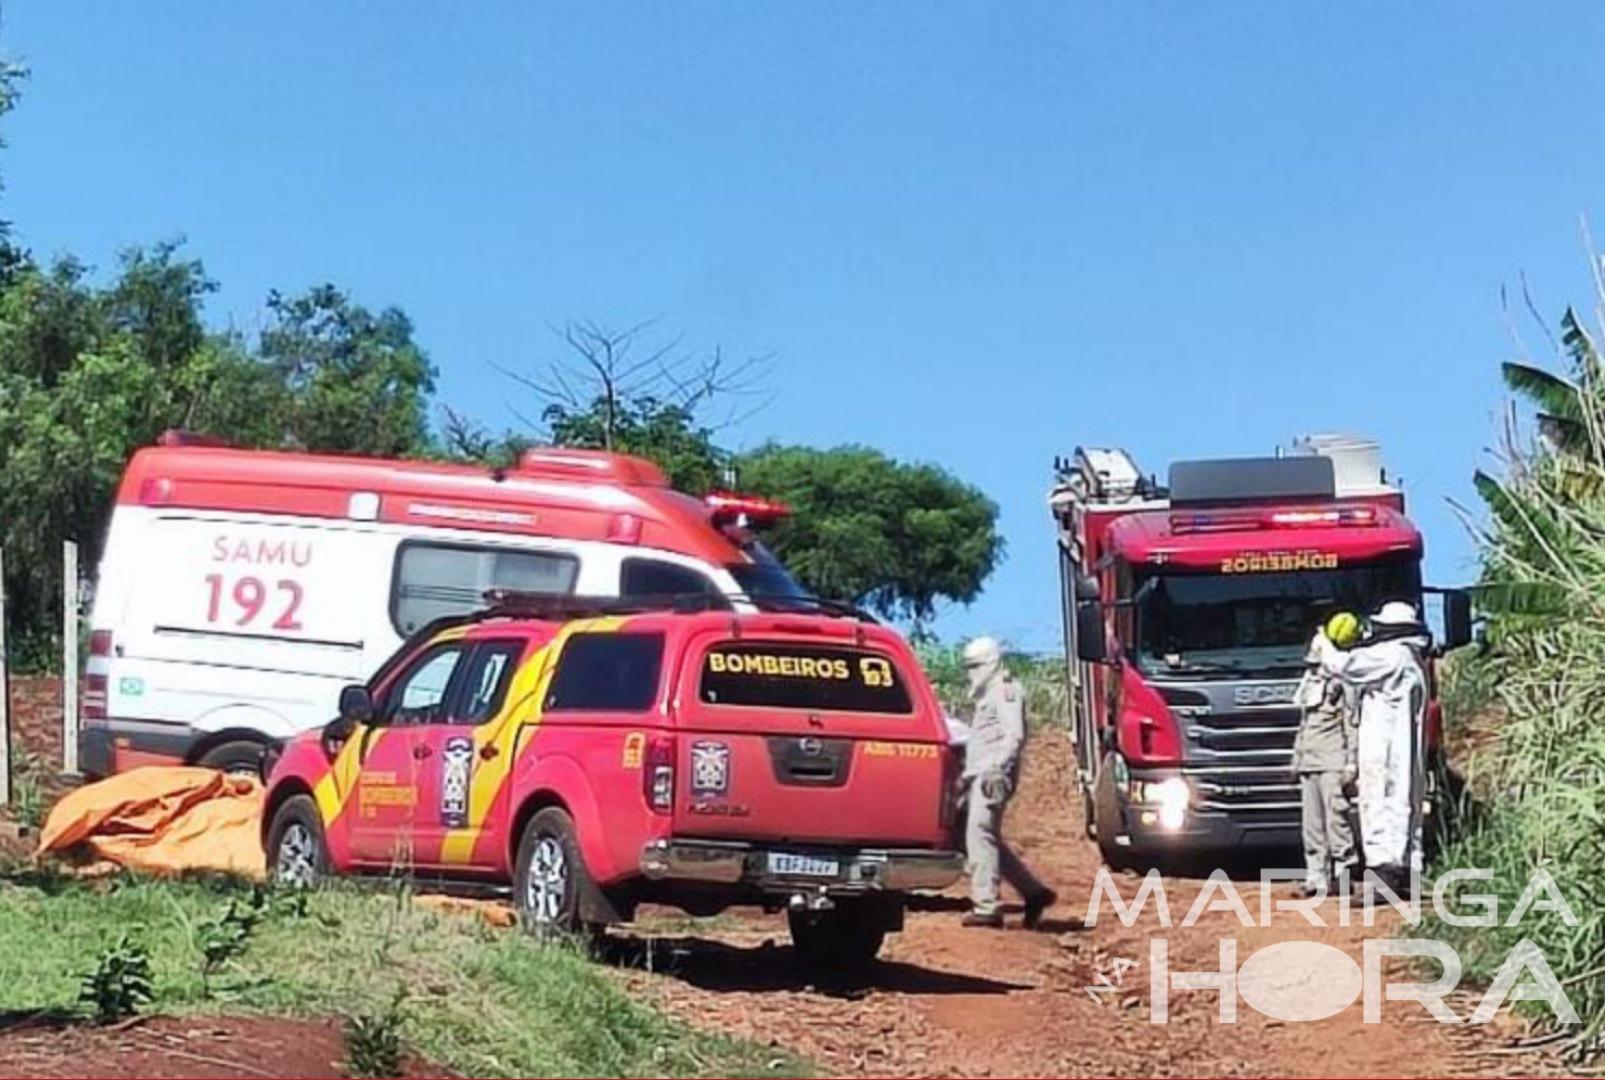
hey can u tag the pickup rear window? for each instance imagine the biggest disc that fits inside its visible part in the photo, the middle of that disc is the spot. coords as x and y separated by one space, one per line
607 672
803 677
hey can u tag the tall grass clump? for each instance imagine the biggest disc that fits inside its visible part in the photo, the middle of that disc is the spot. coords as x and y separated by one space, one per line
1042 676
1537 782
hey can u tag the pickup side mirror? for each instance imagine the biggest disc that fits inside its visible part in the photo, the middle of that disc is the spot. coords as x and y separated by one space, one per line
356 707
356 704
1456 618
1092 642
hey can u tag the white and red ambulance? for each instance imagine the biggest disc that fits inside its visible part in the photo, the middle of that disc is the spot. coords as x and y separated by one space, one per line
239 590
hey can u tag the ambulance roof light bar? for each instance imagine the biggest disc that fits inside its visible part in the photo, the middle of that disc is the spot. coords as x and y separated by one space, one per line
732 508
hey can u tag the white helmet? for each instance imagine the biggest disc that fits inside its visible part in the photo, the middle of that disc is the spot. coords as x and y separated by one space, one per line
1396 613
982 650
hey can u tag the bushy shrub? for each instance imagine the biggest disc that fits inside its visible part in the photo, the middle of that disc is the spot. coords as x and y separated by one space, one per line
120 983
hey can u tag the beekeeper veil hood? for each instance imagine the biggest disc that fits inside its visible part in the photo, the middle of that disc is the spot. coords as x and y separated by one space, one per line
1396 619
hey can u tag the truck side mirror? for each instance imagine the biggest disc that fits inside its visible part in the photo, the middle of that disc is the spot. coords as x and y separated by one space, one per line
1092 642
1456 618
1087 588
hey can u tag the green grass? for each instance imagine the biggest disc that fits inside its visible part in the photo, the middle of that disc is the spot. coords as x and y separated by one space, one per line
478 1000
1042 675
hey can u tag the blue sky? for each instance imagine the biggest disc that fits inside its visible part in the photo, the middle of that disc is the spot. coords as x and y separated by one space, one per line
973 234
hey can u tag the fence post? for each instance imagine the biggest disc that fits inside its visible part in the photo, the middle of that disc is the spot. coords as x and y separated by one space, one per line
69 658
5 696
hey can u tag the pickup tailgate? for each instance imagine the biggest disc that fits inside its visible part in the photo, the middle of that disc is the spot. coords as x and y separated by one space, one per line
809 743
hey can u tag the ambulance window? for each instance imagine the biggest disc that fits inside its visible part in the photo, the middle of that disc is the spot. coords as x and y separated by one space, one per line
490 670
656 577
435 580
607 671
418 695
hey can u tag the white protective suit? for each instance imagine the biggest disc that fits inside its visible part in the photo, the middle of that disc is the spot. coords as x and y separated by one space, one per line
1391 680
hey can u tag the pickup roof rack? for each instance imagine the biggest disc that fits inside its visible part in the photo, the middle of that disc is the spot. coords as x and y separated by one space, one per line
505 602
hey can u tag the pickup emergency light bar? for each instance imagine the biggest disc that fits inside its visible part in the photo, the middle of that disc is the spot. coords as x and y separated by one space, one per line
730 507
1250 520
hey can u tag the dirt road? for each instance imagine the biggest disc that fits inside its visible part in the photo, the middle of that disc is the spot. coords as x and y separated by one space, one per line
954 1002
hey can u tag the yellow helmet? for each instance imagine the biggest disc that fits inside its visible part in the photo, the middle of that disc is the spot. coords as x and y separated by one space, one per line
1343 629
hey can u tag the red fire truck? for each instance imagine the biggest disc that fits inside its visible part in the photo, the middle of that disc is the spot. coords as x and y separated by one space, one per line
1187 612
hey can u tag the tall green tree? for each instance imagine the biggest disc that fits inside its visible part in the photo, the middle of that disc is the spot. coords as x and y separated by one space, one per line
896 537
357 381
90 372
86 374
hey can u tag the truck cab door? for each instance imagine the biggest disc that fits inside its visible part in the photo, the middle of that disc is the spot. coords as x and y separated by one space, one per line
382 831
465 758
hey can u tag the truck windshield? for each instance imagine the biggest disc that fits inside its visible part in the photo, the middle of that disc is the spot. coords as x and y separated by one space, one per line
1255 623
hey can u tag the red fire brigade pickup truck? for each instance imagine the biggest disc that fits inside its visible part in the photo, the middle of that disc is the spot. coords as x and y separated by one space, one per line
600 754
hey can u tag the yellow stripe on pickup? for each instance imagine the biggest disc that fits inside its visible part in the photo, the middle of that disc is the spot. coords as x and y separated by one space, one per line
333 791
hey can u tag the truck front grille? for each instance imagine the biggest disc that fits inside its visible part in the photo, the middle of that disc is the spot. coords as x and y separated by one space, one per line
1243 762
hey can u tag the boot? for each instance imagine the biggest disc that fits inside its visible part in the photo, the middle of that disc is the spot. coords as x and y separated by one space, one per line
1036 904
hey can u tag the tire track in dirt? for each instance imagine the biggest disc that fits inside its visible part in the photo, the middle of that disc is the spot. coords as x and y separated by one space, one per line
949 1001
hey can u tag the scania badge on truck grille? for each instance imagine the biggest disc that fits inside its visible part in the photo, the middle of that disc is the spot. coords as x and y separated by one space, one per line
1265 694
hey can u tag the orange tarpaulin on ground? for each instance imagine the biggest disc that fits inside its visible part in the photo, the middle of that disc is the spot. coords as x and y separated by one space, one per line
163 819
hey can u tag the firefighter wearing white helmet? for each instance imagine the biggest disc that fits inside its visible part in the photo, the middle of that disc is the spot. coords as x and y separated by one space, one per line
1388 670
991 770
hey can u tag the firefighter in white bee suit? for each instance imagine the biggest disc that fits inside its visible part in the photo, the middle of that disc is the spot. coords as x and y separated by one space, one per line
991 771
1388 670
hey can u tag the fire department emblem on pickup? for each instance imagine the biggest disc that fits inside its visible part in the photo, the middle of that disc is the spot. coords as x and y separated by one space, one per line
710 768
1265 694
456 772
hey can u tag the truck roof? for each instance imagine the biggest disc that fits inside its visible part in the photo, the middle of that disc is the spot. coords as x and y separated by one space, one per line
574 494
1203 539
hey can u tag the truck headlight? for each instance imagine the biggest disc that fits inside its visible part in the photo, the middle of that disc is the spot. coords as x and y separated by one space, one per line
1167 799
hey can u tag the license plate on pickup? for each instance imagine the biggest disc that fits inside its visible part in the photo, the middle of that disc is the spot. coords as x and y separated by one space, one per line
790 865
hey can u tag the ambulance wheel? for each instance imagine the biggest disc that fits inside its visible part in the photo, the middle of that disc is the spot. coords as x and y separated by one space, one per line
549 875
848 937
297 854
237 757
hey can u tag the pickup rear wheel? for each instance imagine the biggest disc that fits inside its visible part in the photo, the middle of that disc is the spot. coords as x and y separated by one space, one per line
297 854
549 875
845 938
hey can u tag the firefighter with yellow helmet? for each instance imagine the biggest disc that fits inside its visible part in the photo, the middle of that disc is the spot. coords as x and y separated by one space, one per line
1324 757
